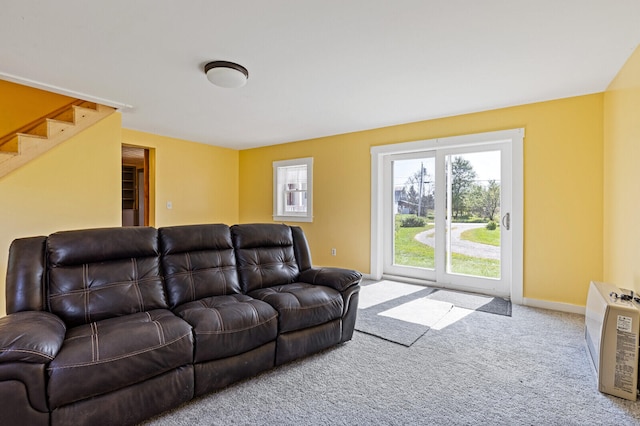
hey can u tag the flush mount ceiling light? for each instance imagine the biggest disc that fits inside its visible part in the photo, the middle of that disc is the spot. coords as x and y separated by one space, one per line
226 74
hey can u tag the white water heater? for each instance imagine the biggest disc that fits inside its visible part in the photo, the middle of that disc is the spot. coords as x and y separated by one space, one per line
612 326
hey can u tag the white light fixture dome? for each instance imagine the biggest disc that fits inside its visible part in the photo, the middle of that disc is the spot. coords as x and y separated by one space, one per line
226 74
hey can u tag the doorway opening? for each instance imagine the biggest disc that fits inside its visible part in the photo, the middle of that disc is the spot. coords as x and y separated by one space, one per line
135 186
448 213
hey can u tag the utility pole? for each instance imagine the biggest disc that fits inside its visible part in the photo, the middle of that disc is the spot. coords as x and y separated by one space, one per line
420 190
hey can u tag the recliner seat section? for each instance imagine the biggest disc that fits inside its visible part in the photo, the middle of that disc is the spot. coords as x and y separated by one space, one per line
115 325
106 285
269 271
202 282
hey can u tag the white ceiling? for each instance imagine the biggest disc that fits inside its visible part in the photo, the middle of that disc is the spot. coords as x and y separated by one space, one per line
316 67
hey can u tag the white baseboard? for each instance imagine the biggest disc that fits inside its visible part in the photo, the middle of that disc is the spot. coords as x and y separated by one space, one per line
554 306
368 277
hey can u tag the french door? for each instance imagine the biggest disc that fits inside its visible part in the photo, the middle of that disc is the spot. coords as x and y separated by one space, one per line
447 215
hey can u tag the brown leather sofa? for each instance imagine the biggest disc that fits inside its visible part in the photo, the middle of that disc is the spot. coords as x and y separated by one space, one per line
115 325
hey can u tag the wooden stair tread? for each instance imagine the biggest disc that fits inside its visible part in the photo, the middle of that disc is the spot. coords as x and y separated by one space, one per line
52 130
30 135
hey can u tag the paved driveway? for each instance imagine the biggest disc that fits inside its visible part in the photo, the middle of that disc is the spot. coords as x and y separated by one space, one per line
468 248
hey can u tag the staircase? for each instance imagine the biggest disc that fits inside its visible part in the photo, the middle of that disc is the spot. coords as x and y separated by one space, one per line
34 139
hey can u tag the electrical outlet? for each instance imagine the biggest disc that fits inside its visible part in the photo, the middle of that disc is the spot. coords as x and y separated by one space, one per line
333 252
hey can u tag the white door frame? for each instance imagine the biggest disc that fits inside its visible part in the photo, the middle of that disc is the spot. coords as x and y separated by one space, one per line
515 137
388 216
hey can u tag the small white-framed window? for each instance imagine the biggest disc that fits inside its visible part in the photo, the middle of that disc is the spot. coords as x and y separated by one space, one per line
293 190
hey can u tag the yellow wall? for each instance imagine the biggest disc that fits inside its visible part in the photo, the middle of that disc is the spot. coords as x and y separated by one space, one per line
75 185
20 105
563 161
622 177
201 181
563 181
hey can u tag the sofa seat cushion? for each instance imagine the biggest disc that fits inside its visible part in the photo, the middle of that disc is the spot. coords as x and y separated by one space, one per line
301 305
108 355
229 325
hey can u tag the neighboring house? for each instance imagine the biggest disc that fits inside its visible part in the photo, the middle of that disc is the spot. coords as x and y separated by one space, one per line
400 202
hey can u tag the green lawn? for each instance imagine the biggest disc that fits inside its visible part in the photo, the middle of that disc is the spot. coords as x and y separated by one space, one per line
410 252
482 236
461 264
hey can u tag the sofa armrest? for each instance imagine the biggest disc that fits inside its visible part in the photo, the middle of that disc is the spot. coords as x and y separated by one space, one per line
30 336
337 278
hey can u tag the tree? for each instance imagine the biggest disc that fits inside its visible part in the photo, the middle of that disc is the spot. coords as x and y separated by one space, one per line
492 199
462 180
476 200
484 201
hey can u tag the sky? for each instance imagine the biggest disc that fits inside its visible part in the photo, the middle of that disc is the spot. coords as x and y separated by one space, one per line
485 164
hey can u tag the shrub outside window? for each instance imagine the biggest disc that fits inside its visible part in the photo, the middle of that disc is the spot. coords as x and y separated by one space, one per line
293 190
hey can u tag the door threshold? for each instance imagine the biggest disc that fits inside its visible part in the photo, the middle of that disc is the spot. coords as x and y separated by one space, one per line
434 284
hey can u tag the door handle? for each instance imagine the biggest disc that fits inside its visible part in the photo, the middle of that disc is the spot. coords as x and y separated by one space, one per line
506 221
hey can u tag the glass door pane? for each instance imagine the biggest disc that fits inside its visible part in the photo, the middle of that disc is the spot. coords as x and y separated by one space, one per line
411 215
472 221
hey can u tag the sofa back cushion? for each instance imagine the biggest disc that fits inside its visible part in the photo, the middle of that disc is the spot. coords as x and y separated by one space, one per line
265 255
96 274
198 261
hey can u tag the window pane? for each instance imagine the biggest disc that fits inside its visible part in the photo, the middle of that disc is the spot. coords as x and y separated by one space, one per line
292 182
296 201
293 190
